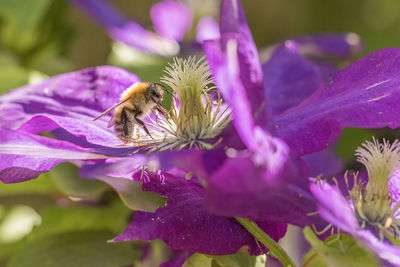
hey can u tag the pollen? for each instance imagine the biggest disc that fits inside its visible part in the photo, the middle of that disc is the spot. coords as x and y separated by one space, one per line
197 115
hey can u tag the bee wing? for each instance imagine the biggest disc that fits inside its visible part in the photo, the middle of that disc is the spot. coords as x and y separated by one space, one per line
110 109
111 122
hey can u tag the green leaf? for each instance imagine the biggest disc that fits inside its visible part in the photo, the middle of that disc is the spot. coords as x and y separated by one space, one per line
114 217
157 254
78 248
58 219
40 185
133 196
323 254
241 260
274 249
65 177
198 260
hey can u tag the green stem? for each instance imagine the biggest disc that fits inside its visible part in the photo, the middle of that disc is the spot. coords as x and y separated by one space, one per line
274 249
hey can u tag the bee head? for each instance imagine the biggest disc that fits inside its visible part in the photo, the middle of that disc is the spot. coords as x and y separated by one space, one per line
156 92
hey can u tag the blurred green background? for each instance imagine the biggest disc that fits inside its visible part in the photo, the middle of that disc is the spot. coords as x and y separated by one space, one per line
54 37
45 37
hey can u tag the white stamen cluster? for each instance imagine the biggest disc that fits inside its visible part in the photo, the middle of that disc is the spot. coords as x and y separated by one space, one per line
373 204
194 118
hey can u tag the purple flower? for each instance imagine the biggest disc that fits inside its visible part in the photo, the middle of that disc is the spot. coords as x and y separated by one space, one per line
285 115
171 21
65 106
373 211
252 170
127 31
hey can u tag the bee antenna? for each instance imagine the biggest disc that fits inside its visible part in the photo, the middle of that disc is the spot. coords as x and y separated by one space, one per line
165 89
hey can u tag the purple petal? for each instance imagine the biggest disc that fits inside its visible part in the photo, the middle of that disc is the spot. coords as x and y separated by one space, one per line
363 95
394 190
333 207
230 189
280 194
233 24
346 181
115 167
207 29
69 101
100 10
171 19
123 30
224 67
289 78
184 224
337 45
324 162
25 156
389 253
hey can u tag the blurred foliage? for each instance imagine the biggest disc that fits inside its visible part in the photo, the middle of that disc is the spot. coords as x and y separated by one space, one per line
77 248
65 177
30 29
239 259
376 21
342 252
132 195
33 36
65 219
350 140
198 260
40 185
49 37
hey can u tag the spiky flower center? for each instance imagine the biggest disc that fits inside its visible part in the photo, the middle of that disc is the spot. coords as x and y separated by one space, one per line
190 80
373 203
194 117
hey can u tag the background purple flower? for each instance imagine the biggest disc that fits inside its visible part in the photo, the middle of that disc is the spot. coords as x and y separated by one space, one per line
334 208
171 21
127 31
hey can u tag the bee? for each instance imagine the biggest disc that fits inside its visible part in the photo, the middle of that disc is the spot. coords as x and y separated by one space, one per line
136 103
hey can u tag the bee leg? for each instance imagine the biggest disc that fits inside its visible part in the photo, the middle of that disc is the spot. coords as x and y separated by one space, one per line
141 123
136 131
128 124
124 121
163 111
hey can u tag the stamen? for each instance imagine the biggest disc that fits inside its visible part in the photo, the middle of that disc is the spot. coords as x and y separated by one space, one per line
381 160
388 223
373 204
